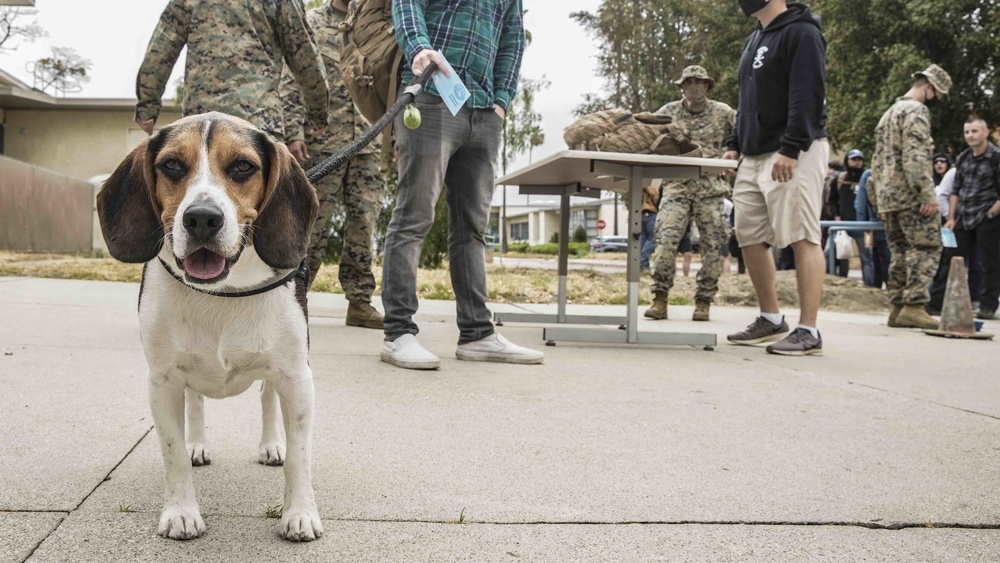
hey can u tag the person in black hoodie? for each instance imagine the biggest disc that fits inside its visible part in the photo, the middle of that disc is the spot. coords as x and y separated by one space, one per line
778 192
843 192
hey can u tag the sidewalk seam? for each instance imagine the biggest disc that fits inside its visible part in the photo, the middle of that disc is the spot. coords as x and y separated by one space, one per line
868 525
897 393
105 479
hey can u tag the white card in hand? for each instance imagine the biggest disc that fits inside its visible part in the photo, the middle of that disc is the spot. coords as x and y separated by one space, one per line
451 89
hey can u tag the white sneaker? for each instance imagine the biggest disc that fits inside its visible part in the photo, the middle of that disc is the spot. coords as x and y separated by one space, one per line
406 352
496 348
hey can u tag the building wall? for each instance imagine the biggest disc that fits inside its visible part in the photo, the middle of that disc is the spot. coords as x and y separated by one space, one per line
79 144
41 211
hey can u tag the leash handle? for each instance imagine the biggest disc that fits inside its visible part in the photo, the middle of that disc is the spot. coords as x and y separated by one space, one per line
339 159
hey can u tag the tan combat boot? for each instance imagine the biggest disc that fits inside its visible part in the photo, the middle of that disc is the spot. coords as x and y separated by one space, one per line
915 316
893 315
659 309
701 309
364 315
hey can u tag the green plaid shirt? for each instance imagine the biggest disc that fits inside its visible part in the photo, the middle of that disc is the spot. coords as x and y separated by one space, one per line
482 39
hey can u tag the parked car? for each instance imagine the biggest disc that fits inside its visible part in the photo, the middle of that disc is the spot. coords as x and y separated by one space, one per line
609 244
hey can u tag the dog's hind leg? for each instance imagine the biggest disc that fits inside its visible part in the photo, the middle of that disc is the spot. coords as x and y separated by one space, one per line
196 448
272 436
181 518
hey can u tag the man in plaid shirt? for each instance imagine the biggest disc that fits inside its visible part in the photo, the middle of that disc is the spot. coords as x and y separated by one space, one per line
974 209
483 40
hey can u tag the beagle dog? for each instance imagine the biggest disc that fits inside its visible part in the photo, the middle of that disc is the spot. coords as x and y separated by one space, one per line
220 213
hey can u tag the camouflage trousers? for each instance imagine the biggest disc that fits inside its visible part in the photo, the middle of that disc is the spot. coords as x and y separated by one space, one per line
675 215
915 249
361 184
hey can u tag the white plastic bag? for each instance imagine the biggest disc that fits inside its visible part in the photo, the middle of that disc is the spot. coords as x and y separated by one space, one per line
844 244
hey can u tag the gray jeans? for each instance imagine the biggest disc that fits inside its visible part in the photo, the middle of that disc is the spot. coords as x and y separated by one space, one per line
460 152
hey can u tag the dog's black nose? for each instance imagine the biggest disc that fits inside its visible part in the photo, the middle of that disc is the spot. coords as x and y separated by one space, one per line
203 221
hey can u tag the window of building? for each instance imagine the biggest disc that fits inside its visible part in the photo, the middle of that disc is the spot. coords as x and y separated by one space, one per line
587 217
519 231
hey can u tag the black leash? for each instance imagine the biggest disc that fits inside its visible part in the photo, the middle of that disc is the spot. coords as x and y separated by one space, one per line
350 151
302 271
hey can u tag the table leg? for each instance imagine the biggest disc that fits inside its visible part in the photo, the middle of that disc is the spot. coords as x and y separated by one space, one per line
634 234
563 254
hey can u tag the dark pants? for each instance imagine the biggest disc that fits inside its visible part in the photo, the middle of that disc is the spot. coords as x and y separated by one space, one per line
864 253
880 259
647 240
460 151
786 259
981 249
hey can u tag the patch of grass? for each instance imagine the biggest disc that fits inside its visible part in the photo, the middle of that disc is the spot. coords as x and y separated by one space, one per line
461 516
273 511
504 284
125 508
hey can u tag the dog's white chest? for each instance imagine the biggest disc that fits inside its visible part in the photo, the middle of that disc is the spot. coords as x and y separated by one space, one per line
219 367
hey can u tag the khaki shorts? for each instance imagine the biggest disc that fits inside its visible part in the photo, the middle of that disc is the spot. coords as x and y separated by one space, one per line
776 213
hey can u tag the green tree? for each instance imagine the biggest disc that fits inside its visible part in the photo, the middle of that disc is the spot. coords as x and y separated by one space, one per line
873 48
522 131
876 45
64 71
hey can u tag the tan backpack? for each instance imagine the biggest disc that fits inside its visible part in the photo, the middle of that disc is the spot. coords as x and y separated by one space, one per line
618 130
370 59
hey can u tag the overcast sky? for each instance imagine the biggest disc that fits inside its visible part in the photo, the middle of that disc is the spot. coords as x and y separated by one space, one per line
114 34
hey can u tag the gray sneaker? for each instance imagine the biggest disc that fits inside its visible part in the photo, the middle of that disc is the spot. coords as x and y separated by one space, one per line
800 342
760 331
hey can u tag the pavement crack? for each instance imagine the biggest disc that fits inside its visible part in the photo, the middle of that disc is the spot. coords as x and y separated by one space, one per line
868 525
66 515
898 394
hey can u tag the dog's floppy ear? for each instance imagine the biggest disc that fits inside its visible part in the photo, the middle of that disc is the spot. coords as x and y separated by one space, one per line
129 220
284 223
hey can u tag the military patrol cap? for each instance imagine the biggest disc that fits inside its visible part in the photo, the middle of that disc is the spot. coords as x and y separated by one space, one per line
695 71
938 78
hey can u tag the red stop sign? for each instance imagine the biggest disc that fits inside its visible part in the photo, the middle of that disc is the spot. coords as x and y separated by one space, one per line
601 224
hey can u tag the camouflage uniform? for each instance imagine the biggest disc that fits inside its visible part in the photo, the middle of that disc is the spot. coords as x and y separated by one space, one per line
902 174
236 50
361 180
701 199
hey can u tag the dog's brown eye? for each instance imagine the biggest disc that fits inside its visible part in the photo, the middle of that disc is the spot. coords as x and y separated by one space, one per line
173 168
241 170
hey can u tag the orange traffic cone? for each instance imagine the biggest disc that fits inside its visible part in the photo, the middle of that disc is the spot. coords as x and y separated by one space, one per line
956 314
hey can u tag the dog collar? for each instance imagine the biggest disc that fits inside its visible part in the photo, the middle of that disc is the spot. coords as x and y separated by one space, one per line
301 272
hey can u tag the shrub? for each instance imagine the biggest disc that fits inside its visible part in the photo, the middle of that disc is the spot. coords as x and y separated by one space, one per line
580 234
547 248
555 237
518 247
579 248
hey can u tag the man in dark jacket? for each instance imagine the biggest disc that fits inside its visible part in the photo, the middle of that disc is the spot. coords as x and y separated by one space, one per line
778 192
843 192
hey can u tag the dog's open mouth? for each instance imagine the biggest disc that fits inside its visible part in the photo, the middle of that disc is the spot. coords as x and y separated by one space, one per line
205 265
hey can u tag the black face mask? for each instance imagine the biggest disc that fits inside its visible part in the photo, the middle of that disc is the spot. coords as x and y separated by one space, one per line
751 7
931 103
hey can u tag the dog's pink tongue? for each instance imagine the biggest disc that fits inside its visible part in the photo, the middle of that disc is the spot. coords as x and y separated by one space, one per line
204 265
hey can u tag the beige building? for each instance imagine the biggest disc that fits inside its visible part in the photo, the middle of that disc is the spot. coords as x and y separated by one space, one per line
70 142
536 219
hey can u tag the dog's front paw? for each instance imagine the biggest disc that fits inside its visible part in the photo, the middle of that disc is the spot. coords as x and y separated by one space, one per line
271 454
199 455
300 525
181 523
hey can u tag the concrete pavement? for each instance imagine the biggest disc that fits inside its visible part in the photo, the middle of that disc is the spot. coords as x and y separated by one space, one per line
885 449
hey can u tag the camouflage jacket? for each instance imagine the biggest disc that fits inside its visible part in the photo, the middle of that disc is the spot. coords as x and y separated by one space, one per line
234 59
710 129
901 168
345 122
